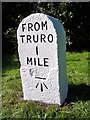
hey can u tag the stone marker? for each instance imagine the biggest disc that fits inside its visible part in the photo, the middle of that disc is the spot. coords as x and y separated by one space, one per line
41 47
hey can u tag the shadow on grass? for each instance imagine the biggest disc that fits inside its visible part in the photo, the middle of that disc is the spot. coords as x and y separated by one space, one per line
10 62
78 92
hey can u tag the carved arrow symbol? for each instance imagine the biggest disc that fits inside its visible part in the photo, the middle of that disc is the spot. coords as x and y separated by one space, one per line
42 86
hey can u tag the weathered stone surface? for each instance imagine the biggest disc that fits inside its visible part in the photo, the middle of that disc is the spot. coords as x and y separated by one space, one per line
41 47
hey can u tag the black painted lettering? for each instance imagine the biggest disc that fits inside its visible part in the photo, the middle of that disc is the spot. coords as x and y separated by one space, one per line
45 62
22 36
29 38
23 27
44 25
36 50
29 61
35 38
36 26
50 38
30 25
43 38
39 64
34 61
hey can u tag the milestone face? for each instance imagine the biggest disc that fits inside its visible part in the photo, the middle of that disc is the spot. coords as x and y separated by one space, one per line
38 54
37 47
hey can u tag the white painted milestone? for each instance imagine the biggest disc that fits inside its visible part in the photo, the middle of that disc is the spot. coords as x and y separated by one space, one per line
41 47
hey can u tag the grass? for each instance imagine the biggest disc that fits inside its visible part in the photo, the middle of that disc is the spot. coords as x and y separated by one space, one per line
76 105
